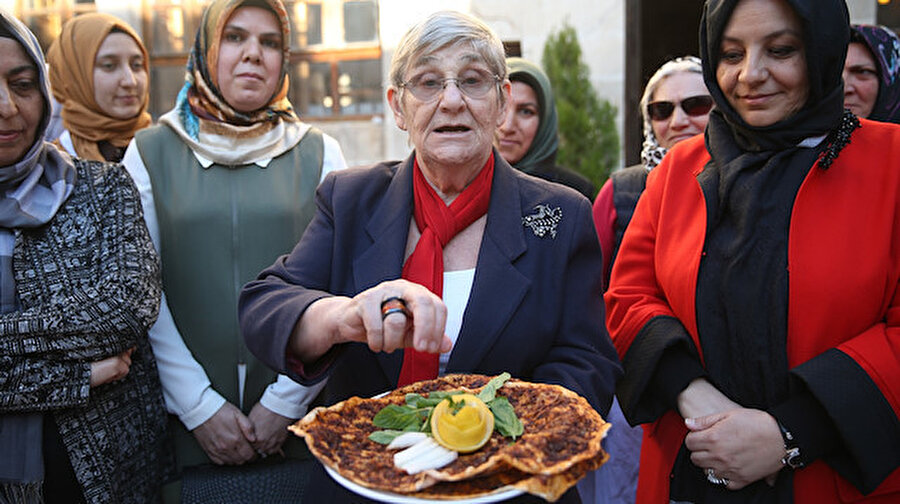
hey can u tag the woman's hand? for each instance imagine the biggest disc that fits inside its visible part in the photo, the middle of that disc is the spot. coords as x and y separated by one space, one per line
111 369
334 320
271 430
743 445
700 398
227 436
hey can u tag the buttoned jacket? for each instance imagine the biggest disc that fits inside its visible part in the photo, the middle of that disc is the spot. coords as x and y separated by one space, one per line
535 308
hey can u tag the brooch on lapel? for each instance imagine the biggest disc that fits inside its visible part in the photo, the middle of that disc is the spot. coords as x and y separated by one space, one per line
543 221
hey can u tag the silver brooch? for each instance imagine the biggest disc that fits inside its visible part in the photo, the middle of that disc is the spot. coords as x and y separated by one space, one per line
543 221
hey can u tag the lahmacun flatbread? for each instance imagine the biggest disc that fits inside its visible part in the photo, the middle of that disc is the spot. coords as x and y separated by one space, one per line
339 437
559 445
547 487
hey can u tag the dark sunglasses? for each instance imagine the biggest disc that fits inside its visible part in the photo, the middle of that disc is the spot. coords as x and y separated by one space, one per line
693 106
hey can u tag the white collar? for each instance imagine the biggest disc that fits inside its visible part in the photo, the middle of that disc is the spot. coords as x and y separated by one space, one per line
206 162
811 141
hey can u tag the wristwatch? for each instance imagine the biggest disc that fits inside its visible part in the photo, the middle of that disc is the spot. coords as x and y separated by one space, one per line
791 450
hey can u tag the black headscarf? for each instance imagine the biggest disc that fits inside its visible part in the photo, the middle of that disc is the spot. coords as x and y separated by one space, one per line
750 185
826 33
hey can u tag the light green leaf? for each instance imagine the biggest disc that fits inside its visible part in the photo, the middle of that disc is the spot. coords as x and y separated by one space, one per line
505 420
489 391
385 436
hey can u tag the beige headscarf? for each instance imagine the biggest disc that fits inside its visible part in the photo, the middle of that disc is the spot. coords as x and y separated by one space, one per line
71 58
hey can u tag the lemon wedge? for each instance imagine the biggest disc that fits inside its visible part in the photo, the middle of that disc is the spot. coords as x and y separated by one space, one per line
462 423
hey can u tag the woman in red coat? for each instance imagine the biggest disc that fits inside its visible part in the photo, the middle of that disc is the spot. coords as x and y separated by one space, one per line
754 301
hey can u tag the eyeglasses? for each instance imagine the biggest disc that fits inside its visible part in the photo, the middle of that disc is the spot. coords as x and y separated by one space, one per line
693 106
474 84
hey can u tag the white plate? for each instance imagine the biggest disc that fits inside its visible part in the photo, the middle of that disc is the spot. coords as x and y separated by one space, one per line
406 499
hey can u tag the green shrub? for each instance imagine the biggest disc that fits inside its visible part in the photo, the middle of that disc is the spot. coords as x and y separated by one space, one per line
588 139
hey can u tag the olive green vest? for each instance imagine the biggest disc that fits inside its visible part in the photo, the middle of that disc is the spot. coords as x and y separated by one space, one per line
219 227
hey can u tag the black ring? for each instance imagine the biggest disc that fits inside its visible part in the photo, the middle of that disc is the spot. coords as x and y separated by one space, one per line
394 298
389 311
393 304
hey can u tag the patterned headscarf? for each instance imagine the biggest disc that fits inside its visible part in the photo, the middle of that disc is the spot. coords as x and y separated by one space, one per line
201 97
33 188
546 139
71 58
651 152
884 46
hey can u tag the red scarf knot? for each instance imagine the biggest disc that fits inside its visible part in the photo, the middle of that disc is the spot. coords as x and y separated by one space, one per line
438 223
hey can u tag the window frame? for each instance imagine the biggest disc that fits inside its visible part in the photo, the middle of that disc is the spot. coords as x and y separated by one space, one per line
318 53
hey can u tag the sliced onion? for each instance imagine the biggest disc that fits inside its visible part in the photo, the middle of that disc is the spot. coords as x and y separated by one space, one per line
423 446
425 454
406 440
432 460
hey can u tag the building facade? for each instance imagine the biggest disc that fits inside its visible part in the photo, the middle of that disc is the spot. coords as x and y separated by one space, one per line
341 51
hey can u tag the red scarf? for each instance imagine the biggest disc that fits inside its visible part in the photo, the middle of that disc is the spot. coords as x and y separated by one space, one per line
438 224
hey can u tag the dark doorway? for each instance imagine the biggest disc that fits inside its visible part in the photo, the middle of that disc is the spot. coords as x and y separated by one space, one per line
656 31
888 15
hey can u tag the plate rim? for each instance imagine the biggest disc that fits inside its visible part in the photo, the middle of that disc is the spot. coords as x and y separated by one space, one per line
384 496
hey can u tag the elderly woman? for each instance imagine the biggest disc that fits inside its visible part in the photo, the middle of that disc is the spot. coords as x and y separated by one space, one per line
872 73
449 261
228 182
767 365
528 137
675 106
98 74
81 409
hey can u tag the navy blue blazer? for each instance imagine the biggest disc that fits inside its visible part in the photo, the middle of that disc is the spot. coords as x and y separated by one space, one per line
535 309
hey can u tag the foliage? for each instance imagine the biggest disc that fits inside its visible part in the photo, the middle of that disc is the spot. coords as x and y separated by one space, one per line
588 139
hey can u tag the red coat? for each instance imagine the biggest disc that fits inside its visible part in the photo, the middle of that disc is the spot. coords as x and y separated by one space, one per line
844 264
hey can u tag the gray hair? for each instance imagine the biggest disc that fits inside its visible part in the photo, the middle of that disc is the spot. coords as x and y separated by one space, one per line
684 64
443 29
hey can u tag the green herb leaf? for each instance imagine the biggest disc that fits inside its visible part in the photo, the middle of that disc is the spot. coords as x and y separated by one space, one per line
455 406
426 426
385 436
419 401
489 391
416 401
396 417
505 420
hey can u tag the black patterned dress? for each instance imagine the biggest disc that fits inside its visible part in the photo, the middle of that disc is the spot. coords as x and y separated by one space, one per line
88 286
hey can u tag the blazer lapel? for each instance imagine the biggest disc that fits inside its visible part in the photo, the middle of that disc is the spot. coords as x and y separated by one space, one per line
499 287
388 228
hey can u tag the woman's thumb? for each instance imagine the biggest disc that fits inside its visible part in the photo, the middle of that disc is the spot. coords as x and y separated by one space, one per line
704 422
247 428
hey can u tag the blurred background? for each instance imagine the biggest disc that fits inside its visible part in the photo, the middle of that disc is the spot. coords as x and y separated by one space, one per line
341 50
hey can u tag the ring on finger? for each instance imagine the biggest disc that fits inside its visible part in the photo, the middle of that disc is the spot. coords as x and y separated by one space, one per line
712 478
393 304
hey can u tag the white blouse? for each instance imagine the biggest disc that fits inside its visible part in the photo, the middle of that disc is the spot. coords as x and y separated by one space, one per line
457 287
